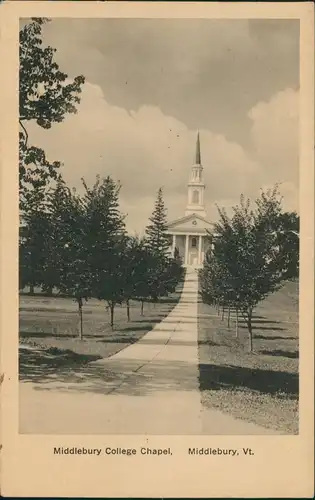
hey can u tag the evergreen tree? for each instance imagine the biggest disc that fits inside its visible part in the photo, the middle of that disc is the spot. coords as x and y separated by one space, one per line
157 244
105 241
34 230
157 239
65 266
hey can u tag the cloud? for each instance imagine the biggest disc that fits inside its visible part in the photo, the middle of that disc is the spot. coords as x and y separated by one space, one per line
275 136
145 149
205 72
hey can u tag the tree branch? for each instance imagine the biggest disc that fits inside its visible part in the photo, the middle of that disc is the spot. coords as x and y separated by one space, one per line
25 131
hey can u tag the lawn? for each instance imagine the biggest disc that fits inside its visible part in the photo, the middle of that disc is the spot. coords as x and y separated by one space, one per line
260 387
51 325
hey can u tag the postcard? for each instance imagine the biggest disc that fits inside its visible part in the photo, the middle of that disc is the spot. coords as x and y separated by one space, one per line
157 249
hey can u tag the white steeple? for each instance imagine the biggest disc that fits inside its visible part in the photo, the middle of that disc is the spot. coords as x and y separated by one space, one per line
196 186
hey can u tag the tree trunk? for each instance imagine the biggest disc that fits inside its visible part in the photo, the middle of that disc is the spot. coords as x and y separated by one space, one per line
128 310
222 317
229 313
31 289
112 307
142 301
250 329
236 324
79 300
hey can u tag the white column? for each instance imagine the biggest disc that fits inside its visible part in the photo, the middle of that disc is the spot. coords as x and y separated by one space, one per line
186 249
199 250
174 244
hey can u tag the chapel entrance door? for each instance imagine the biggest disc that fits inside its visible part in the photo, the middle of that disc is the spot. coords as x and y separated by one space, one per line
193 257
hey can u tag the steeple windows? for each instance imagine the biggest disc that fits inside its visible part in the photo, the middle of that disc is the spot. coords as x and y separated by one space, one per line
196 186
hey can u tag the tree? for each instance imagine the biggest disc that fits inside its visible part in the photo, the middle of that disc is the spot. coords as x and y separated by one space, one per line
34 231
64 266
157 239
46 96
172 273
52 226
157 243
105 241
247 262
136 271
287 230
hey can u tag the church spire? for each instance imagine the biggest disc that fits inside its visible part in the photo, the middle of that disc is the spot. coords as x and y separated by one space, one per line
196 186
198 155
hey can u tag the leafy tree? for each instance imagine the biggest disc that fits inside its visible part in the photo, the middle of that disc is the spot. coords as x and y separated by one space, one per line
46 96
247 262
136 269
288 243
172 274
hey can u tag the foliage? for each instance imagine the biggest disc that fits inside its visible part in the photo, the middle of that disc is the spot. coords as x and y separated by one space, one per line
77 244
249 259
46 96
165 270
157 239
105 240
34 230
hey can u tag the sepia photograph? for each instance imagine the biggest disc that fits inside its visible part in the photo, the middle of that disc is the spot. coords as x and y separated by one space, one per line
157 249
159 226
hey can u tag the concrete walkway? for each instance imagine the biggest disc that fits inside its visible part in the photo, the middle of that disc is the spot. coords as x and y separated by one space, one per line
151 387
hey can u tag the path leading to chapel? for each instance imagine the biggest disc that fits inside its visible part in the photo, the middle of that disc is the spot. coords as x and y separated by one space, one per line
151 387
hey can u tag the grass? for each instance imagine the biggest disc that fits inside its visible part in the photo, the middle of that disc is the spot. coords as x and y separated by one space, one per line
260 387
50 327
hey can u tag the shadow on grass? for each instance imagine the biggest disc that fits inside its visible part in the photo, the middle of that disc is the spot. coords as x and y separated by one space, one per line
208 342
135 328
53 357
279 352
149 320
119 340
272 328
270 337
42 335
259 324
163 300
259 320
87 336
115 377
215 377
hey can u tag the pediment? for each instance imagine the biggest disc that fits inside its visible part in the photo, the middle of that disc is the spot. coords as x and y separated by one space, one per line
192 222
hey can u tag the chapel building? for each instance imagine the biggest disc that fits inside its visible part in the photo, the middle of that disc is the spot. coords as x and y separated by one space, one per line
188 234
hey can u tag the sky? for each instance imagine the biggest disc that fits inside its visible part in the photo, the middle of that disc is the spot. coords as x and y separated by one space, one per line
152 83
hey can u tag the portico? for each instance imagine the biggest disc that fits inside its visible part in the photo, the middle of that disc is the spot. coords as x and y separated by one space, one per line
189 237
193 246
189 234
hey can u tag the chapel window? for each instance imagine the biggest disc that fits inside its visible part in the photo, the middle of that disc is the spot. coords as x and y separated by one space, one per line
194 242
